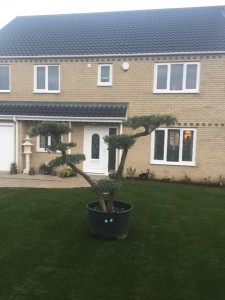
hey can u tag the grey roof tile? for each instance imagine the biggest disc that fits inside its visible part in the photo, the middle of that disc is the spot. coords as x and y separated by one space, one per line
64 109
182 30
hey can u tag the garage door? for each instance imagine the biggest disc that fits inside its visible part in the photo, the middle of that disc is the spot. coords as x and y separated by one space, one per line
6 146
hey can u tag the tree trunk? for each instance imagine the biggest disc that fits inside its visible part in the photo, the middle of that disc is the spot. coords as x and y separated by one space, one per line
91 182
110 201
122 162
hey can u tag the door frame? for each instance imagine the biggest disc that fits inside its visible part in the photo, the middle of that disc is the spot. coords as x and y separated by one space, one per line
105 152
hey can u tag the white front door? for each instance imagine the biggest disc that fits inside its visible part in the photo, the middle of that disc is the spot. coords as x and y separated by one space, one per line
6 146
95 150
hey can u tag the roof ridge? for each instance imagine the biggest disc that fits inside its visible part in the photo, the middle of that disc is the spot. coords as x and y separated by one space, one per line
121 11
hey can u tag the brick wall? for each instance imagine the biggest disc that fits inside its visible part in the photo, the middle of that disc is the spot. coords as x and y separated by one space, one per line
204 110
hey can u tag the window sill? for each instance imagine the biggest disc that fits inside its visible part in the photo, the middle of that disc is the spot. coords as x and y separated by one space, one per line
166 163
42 151
175 92
4 91
46 92
46 151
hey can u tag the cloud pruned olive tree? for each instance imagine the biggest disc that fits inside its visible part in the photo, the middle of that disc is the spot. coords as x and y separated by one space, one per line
123 142
145 125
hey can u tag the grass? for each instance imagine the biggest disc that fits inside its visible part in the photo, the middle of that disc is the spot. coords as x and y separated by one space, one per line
175 248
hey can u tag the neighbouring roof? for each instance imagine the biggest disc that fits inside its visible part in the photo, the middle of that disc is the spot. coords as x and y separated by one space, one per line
74 111
179 30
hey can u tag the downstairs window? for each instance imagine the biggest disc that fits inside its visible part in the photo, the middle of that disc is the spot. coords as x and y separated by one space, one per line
44 141
173 146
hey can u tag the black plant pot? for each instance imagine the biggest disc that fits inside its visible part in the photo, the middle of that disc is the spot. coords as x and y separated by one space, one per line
109 226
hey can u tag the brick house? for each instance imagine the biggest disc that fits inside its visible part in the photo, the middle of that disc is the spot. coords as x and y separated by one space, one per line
94 70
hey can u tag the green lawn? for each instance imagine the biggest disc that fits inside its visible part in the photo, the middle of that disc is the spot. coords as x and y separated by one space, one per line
175 249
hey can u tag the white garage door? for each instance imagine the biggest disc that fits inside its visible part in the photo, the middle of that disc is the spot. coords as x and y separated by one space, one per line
6 146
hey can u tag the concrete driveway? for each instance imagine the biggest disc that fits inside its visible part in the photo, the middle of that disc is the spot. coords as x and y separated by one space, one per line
42 181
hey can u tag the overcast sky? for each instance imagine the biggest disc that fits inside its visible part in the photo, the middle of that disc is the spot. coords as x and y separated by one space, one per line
12 8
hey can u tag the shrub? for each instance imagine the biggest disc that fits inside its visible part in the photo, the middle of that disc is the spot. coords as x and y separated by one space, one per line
13 169
67 172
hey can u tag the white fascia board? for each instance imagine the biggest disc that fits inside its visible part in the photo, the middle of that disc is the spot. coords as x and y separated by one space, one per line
62 119
114 55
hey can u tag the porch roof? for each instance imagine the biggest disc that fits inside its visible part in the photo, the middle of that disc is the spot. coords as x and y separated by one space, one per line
64 111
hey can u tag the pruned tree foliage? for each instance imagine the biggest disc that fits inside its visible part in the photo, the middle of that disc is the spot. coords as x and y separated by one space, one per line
147 124
50 128
150 122
72 160
67 159
119 141
144 125
61 146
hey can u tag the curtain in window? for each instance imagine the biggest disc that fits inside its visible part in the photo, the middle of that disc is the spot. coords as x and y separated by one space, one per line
41 78
173 142
162 77
105 74
191 76
176 77
53 78
43 141
187 145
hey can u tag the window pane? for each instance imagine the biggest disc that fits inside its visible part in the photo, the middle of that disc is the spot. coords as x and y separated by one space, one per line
191 76
53 78
187 145
162 77
43 141
41 78
176 77
95 145
173 145
55 139
4 78
105 73
159 145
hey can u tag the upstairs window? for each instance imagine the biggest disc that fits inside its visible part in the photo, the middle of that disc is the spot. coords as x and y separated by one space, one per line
176 78
105 75
173 146
4 78
46 79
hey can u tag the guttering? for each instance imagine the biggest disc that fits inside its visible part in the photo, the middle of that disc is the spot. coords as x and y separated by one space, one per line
64 119
114 55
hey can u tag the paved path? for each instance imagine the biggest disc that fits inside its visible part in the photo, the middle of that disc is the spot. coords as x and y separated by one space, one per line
42 181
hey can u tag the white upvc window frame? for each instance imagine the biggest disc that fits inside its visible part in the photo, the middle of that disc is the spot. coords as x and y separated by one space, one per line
46 89
175 163
184 89
41 149
6 66
100 82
